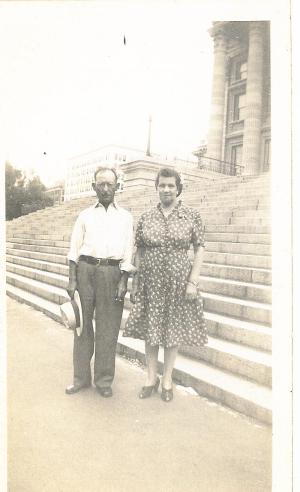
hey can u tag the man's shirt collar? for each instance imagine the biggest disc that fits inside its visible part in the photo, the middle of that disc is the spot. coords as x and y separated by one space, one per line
114 204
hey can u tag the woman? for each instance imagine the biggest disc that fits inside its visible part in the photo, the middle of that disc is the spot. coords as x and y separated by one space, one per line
168 309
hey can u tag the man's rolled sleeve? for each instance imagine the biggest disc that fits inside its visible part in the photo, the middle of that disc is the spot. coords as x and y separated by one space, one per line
126 263
76 240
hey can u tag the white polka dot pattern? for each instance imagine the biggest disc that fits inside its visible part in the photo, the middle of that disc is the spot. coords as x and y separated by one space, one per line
161 314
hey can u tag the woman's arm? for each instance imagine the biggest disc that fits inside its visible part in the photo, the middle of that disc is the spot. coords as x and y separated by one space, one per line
197 263
191 288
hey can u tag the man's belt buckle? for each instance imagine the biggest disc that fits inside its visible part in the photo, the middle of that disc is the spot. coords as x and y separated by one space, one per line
102 261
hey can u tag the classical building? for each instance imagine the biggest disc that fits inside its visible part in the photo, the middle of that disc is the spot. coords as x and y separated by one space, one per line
239 137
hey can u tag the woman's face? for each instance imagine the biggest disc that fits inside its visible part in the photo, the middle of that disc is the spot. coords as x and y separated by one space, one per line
167 190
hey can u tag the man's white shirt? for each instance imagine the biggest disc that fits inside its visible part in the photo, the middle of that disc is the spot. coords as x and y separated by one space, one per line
103 233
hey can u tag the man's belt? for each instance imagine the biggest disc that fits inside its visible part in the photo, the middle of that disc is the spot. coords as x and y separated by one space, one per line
99 261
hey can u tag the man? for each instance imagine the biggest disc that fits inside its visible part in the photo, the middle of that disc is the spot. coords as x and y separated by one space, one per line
99 265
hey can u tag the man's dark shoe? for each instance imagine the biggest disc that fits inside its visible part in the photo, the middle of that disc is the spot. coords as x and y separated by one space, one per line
74 388
105 392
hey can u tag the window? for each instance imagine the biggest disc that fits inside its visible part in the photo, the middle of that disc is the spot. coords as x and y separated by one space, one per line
243 71
239 105
267 155
236 154
238 70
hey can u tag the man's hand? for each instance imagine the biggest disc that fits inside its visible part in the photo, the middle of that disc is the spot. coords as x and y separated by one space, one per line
72 287
121 288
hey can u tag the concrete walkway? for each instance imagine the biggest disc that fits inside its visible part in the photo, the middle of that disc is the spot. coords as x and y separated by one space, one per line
60 443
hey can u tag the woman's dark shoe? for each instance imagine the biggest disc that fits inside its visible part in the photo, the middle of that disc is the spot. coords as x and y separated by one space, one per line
167 394
148 390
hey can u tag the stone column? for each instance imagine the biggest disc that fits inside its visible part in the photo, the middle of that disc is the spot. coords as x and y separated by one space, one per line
253 112
215 133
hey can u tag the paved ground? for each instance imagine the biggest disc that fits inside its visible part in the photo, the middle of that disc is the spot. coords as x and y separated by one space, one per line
60 443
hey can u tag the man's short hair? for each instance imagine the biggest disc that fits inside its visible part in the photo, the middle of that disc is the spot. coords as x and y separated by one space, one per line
102 169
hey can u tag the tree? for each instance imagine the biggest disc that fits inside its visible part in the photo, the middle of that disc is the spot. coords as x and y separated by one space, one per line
22 198
35 196
14 191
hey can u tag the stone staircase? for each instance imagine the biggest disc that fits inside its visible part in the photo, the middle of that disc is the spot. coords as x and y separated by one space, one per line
235 367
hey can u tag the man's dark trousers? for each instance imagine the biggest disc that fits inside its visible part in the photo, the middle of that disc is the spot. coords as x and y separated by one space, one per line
97 286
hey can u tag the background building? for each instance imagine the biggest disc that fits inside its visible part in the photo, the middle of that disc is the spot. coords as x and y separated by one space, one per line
239 137
134 167
56 193
81 168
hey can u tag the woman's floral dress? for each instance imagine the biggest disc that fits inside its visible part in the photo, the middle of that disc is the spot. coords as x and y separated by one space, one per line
161 314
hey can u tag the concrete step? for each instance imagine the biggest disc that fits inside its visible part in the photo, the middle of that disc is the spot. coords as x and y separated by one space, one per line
46 291
232 272
254 261
243 211
240 394
239 331
239 248
247 229
247 362
38 264
234 237
49 308
227 219
36 255
43 276
45 237
40 242
238 308
233 288
37 247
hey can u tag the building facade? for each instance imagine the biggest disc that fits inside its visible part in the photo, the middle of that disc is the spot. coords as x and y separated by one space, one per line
239 134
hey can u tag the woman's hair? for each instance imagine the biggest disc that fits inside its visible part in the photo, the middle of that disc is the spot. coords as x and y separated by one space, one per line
166 172
103 169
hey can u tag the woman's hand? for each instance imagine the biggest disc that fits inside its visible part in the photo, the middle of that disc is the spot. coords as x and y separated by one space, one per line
191 292
133 292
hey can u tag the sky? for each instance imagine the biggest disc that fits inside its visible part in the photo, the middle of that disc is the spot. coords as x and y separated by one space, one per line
71 84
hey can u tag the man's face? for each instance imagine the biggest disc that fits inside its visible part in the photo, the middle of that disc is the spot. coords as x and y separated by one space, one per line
105 186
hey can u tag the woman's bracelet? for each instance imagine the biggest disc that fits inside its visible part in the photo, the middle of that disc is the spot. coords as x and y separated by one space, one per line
193 282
